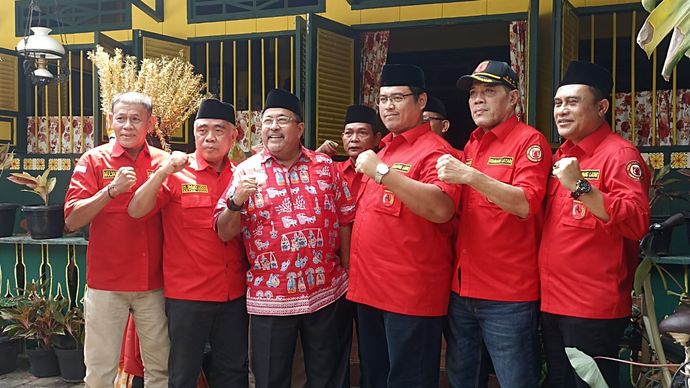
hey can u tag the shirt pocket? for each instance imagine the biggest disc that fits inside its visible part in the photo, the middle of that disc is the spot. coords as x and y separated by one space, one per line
500 173
197 211
118 204
388 203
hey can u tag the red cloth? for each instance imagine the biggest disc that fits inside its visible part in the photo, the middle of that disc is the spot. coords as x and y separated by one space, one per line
130 355
197 265
587 266
352 177
497 251
124 254
291 232
399 261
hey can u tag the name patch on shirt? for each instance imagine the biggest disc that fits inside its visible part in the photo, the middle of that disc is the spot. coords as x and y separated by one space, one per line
591 174
402 167
194 188
109 174
500 161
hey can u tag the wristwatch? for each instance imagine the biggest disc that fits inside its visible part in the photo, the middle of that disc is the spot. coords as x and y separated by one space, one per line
582 186
232 206
381 170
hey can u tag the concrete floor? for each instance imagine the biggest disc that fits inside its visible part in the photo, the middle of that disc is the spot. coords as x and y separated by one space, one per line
22 378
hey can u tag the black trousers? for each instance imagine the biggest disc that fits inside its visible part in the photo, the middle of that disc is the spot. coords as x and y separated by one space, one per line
595 337
326 339
224 325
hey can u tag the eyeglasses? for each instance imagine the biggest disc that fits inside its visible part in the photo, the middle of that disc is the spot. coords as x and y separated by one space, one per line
281 120
396 98
426 119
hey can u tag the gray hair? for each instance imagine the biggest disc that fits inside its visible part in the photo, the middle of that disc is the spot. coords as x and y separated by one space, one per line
133 98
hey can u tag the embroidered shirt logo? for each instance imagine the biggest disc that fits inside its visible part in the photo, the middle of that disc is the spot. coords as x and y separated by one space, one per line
500 161
534 153
591 174
109 174
402 167
194 188
634 170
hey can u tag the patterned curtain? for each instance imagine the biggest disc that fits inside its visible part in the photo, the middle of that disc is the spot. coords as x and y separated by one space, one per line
641 134
374 54
75 135
518 59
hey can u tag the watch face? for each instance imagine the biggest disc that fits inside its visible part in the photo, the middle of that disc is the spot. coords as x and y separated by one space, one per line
382 169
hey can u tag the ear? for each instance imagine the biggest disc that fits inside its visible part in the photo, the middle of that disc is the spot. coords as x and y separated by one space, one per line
422 100
377 138
153 120
446 126
301 128
603 107
514 96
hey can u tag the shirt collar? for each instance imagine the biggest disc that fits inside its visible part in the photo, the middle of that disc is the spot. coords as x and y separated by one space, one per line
118 150
201 164
410 135
304 154
587 145
499 132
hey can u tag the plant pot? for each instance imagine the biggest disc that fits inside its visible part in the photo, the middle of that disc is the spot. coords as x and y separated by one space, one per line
72 368
43 362
45 221
8 212
9 349
662 241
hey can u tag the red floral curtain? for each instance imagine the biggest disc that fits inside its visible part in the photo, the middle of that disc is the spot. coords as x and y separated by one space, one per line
642 134
518 60
374 53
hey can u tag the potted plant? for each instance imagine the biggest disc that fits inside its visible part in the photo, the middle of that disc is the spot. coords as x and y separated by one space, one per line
9 347
8 211
70 352
36 317
44 221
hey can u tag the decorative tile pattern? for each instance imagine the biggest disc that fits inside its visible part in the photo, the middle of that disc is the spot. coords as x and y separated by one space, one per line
35 164
16 163
654 159
679 159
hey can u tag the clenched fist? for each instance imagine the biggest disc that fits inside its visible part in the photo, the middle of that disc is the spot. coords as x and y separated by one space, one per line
177 161
125 178
366 163
567 170
451 170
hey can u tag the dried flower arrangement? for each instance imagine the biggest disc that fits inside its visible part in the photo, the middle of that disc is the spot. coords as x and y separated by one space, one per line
170 82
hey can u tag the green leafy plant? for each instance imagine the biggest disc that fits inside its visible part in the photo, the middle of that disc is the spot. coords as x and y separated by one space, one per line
73 324
658 189
666 16
35 316
40 185
6 157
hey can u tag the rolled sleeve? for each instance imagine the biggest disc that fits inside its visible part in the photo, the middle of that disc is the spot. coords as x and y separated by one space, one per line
531 173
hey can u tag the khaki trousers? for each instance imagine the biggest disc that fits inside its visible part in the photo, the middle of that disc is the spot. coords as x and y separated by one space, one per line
106 314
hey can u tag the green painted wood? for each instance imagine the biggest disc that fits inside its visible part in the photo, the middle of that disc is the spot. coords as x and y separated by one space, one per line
156 13
533 33
507 17
367 4
242 9
76 15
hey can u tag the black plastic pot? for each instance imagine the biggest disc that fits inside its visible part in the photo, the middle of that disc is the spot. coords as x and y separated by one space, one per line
43 362
8 211
45 221
662 242
72 368
9 349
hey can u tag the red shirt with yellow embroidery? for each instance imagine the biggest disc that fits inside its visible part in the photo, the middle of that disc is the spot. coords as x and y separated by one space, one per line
497 251
291 233
124 253
399 261
197 265
587 265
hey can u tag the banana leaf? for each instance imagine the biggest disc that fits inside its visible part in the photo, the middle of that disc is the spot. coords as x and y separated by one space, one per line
679 46
660 22
586 368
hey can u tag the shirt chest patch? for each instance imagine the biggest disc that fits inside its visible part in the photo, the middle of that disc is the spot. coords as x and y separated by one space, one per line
194 188
500 161
591 174
109 174
402 167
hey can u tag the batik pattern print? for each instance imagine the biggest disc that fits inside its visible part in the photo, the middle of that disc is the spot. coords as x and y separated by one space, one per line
291 232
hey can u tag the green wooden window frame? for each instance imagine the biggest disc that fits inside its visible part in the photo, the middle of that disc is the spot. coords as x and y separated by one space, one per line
76 15
366 4
199 11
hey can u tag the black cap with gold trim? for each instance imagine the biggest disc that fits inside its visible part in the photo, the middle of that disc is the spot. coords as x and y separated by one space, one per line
490 72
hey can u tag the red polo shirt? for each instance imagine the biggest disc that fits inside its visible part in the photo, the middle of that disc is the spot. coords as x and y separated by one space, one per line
497 251
399 261
197 265
291 233
587 265
352 177
124 253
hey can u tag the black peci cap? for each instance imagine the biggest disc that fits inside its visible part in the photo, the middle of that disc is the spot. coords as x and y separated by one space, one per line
587 73
434 104
361 114
403 75
281 98
212 108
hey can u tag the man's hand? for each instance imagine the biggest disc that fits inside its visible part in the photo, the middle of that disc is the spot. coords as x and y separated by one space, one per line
125 178
329 147
177 161
451 170
366 163
246 188
567 170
